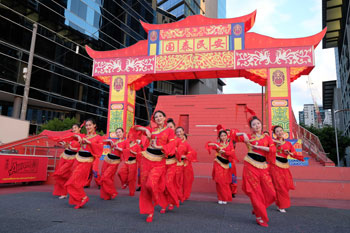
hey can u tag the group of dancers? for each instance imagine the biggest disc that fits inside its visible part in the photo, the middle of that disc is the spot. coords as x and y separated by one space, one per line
266 177
164 158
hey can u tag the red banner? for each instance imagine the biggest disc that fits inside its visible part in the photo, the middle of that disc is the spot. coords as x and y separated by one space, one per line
22 168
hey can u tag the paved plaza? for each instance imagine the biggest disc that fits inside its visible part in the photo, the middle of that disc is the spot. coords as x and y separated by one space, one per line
37 211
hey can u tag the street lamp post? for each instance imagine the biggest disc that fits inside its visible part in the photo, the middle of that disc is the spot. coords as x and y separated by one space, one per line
28 74
336 134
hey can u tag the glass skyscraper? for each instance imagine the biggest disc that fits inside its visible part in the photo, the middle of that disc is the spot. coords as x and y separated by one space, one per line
181 8
61 82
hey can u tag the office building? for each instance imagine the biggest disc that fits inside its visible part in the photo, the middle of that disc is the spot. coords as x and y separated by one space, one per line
335 16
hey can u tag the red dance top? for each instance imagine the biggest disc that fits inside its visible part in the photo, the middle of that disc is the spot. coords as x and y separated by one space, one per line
223 158
280 153
122 143
131 150
96 146
262 140
183 148
164 137
71 140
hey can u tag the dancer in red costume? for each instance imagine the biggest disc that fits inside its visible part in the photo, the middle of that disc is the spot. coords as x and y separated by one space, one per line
110 165
257 182
281 176
91 148
233 169
67 159
153 163
170 196
221 170
128 172
184 172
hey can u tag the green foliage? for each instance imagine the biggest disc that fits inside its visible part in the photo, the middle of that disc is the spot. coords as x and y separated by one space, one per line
61 125
327 138
83 131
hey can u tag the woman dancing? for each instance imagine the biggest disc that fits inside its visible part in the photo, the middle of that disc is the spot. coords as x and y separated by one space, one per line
257 183
281 176
91 148
153 164
110 165
128 172
221 170
67 159
184 172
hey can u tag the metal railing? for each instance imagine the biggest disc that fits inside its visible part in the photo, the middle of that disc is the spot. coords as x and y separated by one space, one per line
52 151
23 141
311 144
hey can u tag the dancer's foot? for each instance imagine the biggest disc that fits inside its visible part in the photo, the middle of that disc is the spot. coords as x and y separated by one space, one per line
62 197
114 195
261 222
84 201
124 186
171 207
220 202
224 202
149 218
162 211
281 210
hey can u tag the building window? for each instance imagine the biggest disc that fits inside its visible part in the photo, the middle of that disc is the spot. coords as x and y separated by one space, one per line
79 8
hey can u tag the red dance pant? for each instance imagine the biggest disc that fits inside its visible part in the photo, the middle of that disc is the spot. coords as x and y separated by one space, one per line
222 177
94 174
61 176
179 182
170 186
107 181
128 175
138 174
233 188
75 184
283 182
257 184
233 184
188 178
152 184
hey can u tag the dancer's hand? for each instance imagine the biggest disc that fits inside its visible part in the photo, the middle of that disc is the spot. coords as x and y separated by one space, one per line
85 141
221 151
78 137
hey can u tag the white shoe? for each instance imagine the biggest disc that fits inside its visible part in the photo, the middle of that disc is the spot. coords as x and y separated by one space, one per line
220 202
281 210
224 202
62 197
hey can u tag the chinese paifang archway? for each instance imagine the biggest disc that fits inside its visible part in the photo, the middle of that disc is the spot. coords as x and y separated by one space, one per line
199 48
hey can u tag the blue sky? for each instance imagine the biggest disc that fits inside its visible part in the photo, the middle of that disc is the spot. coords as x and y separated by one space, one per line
287 19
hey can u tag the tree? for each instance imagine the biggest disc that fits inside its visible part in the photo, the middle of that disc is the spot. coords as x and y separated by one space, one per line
61 125
327 139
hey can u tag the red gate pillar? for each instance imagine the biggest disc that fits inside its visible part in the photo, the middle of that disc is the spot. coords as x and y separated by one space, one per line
279 100
121 105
